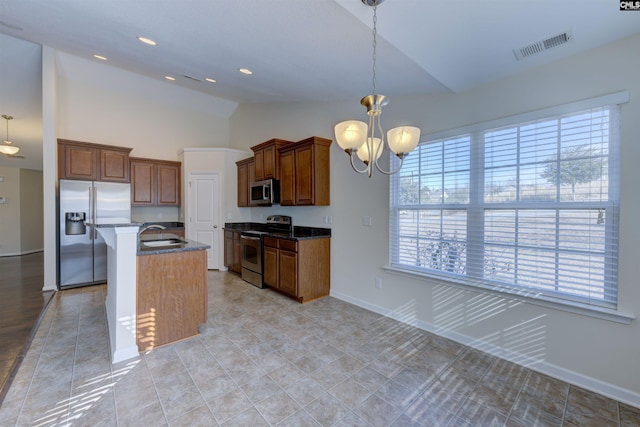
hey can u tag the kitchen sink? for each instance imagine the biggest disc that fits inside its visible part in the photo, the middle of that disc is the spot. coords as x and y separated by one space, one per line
163 242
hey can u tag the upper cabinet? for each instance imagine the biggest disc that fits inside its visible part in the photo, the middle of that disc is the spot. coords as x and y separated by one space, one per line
92 162
154 182
305 173
246 175
267 159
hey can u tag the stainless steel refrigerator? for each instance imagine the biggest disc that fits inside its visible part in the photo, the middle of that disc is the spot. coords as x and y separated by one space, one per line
82 252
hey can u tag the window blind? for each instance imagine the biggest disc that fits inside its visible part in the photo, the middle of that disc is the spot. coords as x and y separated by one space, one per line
529 207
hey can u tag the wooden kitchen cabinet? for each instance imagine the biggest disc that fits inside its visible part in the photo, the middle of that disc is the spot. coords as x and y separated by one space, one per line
305 173
232 251
246 173
92 162
267 159
154 182
298 268
171 297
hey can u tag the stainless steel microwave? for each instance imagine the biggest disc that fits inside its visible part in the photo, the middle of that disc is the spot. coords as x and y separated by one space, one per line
265 192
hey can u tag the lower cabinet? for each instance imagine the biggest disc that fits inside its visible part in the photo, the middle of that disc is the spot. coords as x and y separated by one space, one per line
171 297
232 251
298 268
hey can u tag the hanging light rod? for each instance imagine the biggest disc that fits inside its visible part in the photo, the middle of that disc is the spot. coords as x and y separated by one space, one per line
366 141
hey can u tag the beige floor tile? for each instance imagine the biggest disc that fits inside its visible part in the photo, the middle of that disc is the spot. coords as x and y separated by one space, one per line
263 359
277 407
327 410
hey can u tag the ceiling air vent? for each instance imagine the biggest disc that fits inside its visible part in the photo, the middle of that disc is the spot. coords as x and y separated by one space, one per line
543 45
191 78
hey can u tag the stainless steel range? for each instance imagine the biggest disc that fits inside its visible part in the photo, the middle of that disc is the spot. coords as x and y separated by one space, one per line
251 247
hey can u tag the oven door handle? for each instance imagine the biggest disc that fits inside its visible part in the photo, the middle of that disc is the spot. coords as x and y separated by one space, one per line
249 238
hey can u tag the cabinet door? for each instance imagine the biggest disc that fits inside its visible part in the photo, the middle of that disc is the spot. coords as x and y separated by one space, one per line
237 253
80 162
269 163
243 185
168 185
288 272
114 166
270 272
287 178
258 158
228 249
142 184
304 176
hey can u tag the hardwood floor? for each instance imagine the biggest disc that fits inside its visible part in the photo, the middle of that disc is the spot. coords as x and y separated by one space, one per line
21 302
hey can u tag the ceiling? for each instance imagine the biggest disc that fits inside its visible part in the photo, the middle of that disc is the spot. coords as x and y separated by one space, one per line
302 50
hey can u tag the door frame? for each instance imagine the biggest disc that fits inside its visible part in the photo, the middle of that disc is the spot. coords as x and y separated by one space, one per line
189 200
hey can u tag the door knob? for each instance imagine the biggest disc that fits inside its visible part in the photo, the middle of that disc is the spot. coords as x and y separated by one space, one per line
215 226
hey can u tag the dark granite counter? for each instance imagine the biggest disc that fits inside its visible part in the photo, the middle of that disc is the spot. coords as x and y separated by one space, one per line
99 224
298 233
185 245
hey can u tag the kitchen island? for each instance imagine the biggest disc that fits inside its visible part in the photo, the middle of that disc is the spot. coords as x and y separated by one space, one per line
171 289
144 295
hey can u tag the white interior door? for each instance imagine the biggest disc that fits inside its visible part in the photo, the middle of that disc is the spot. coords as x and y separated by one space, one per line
204 207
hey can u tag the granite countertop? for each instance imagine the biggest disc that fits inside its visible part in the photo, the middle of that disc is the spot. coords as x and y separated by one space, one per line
167 224
298 233
99 224
188 245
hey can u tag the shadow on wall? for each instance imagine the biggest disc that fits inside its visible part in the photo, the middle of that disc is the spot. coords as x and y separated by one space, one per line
458 309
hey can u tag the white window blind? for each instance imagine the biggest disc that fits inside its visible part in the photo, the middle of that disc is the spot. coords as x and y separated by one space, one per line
528 207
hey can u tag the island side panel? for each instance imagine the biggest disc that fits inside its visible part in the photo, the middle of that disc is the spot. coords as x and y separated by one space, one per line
171 297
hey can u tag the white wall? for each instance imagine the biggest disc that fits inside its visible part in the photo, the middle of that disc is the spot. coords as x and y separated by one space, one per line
102 104
10 211
31 211
597 354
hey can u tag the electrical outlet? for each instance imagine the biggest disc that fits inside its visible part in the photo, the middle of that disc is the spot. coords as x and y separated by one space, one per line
329 219
378 283
366 220
229 216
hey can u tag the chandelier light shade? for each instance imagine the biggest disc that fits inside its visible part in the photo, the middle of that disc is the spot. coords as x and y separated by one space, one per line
367 141
7 147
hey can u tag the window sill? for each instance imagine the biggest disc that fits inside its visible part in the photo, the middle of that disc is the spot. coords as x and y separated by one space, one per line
530 298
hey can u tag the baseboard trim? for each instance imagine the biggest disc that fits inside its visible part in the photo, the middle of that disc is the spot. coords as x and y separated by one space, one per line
618 393
22 253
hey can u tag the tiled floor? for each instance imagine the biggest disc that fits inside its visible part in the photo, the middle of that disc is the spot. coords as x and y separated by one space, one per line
263 359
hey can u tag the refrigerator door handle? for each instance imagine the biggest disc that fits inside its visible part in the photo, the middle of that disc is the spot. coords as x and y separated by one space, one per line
91 227
94 209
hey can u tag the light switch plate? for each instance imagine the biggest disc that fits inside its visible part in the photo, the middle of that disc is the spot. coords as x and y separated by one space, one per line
3 199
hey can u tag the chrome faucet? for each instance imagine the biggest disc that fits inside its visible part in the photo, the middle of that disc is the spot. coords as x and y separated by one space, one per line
150 226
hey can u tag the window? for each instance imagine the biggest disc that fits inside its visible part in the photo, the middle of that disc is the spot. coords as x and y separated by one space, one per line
528 207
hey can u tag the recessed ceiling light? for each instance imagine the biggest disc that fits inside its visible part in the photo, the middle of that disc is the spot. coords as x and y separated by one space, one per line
245 71
169 78
100 57
210 80
146 40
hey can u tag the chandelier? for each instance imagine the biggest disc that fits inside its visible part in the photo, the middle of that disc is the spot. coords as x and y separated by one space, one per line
366 141
6 147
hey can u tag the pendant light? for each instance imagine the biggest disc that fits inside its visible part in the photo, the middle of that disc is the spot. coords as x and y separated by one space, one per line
367 141
6 147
